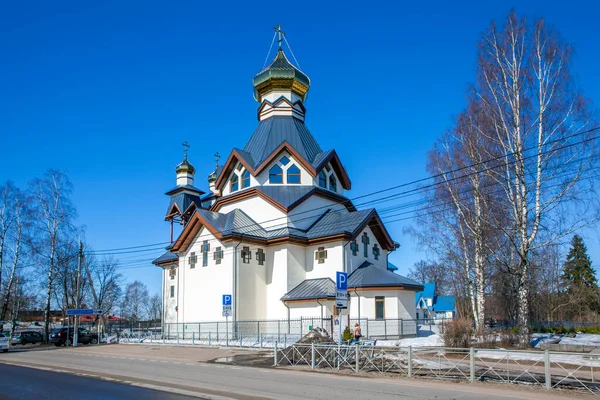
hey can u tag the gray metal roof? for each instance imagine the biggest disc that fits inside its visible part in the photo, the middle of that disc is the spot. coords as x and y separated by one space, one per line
166 257
287 195
236 222
336 222
181 188
319 158
272 132
321 288
183 201
369 275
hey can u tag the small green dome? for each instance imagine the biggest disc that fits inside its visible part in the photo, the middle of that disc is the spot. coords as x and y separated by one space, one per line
281 74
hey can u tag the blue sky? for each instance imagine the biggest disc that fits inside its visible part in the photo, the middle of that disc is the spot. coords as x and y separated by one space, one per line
108 91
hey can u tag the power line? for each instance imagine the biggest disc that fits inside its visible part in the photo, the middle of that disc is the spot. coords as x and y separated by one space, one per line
397 195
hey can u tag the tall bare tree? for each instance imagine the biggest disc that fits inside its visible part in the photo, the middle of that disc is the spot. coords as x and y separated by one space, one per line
7 218
537 117
19 237
107 281
57 212
136 301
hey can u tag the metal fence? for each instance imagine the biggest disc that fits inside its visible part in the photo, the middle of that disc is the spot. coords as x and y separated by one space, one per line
546 369
372 328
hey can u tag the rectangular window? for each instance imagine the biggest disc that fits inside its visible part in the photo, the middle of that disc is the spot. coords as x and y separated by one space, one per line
321 255
173 272
260 257
354 248
376 252
205 249
193 260
379 307
218 255
172 291
246 255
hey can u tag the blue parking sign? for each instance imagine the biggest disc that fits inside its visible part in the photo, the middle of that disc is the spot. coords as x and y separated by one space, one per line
227 299
341 281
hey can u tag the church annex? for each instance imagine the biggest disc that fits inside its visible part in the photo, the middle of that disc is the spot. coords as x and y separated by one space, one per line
275 225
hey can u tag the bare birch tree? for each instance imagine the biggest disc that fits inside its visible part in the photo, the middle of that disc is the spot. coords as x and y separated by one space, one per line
56 214
538 116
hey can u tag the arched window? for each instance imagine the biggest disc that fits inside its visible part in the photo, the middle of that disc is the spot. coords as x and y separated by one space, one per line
332 183
275 174
234 183
293 174
322 180
245 179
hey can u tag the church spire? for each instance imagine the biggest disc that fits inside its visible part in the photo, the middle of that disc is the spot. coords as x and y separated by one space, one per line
281 81
185 171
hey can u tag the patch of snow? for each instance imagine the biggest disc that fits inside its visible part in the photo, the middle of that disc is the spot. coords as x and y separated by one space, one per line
582 339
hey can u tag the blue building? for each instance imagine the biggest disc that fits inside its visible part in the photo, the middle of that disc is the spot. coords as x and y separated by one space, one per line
431 306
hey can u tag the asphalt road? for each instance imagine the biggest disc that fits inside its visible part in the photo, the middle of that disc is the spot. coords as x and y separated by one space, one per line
29 383
185 371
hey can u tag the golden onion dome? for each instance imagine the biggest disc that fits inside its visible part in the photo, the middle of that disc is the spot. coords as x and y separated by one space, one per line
280 74
185 166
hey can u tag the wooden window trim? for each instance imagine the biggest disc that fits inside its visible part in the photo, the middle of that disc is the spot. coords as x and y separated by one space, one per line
234 182
380 299
294 174
321 255
278 173
376 251
246 179
173 272
205 249
172 292
354 248
332 183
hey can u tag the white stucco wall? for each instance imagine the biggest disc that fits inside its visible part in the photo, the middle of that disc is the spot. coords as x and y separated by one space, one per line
333 263
262 212
398 303
355 261
305 214
310 309
169 303
203 287
252 293
277 281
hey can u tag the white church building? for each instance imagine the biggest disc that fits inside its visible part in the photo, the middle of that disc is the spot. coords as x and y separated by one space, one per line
275 225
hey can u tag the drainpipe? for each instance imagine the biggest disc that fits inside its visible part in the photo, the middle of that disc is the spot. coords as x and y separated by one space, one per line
288 319
319 303
235 282
358 297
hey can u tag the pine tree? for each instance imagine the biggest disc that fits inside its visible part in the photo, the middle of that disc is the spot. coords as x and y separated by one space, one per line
579 276
578 269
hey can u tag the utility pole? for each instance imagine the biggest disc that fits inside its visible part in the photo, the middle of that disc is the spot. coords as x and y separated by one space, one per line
97 304
76 324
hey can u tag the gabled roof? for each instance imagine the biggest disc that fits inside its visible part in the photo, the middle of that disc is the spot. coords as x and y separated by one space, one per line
180 203
272 132
371 276
428 291
181 188
321 288
443 303
166 258
333 224
275 135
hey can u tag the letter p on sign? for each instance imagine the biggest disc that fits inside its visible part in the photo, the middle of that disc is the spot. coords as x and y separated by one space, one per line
341 281
227 299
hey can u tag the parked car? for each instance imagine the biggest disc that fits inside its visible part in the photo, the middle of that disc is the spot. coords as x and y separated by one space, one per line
4 343
59 337
25 337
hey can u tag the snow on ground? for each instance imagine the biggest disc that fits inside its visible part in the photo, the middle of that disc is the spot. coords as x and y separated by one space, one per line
427 336
582 339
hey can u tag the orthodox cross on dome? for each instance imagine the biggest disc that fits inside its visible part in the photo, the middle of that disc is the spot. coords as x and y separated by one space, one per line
217 156
186 147
280 32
